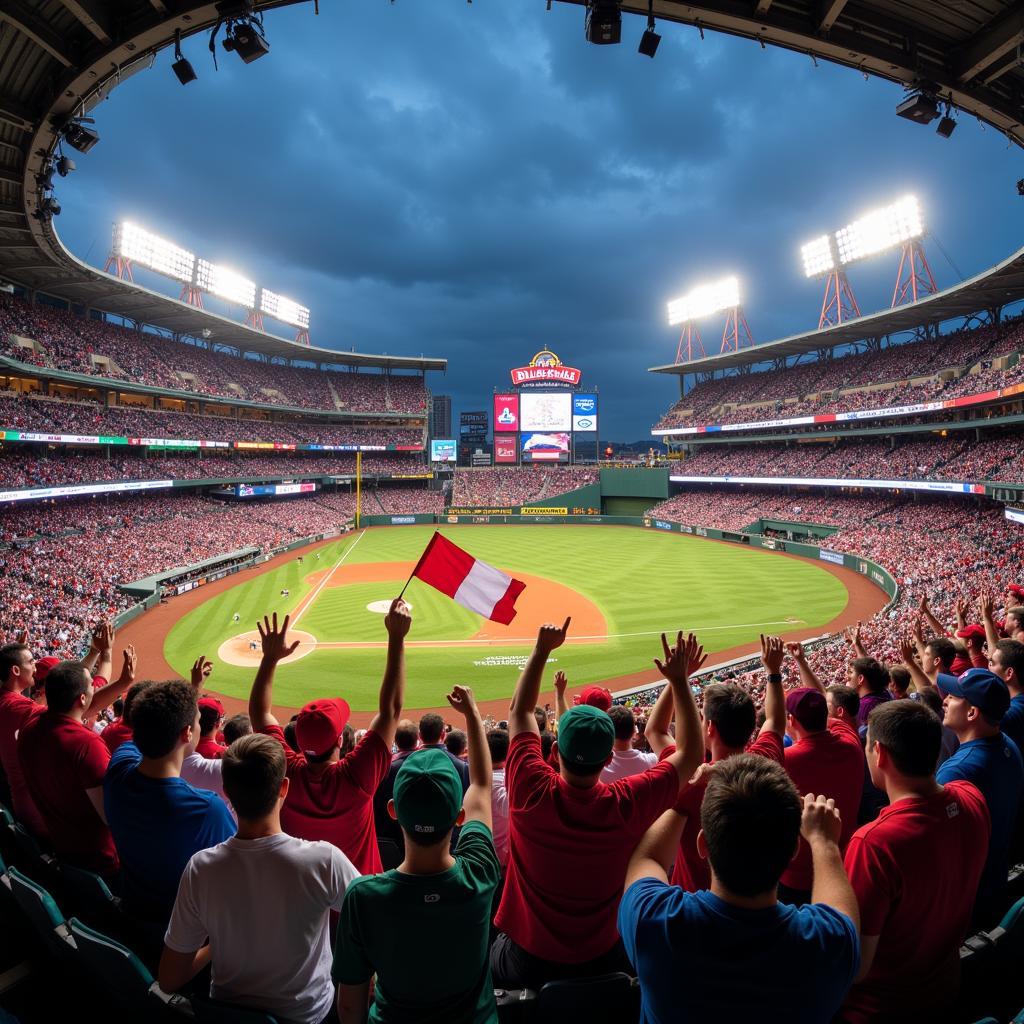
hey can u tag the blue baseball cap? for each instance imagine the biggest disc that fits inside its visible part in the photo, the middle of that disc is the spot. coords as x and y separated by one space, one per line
980 687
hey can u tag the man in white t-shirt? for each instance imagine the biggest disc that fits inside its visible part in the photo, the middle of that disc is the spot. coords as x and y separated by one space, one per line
625 760
230 892
497 742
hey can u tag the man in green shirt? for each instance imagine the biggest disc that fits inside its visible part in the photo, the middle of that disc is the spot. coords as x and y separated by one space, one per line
423 928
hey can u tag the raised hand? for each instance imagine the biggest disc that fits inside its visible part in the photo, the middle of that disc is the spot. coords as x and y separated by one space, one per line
274 641
561 682
103 638
772 653
986 606
796 651
918 631
908 650
923 606
550 637
820 819
681 659
131 662
462 700
201 669
396 622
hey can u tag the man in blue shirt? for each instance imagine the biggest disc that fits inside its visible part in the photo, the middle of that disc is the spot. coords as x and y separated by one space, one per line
683 945
974 704
1007 661
156 818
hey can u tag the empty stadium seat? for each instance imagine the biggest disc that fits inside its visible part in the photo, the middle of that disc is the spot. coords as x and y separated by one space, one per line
43 913
125 978
32 859
612 998
213 1011
89 898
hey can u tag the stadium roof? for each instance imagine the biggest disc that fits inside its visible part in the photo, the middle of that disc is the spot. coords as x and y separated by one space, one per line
58 60
992 289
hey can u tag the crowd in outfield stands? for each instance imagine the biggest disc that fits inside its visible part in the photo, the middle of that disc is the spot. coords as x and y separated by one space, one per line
859 821
957 457
20 469
406 501
50 416
506 486
68 342
789 393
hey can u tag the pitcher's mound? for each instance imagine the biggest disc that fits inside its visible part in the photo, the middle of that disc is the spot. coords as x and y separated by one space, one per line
382 607
239 650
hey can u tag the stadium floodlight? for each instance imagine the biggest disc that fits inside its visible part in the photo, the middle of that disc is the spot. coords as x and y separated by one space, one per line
705 300
880 230
286 310
226 284
818 257
148 250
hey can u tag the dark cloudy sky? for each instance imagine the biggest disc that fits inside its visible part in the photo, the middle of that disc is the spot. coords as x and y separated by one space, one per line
477 182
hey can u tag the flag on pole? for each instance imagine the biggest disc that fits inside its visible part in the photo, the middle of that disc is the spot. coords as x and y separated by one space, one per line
474 584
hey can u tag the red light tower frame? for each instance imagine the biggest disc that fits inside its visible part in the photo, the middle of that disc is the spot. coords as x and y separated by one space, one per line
839 302
736 333
689 340
914 276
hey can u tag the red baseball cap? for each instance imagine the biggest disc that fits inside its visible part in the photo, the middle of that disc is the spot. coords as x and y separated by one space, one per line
971 632
212 703
597 697
1017 591
43 666
320 724
808 706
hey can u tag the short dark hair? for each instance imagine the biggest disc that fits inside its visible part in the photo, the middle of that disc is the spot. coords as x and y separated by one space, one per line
160 714
1012 656
845 697
208 718
911 733
236 727
456 742
10 656
65 683
932 699
623 721
943 649
406 735
1017 611
130 697
732 712
289 735
431 728
542 719
875 674
497 741
751 822
253 767
900 677
547 741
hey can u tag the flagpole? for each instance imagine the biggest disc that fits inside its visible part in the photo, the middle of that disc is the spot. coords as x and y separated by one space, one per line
426 551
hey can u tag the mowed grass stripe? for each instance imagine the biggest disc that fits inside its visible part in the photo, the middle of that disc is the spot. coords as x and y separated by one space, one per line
641 580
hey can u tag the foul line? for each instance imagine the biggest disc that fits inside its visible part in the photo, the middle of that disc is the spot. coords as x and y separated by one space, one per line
323 583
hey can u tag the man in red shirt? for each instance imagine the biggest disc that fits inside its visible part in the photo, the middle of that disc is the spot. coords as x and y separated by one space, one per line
120 729
331 797
571 835
728 718
63 762
211 715
915 870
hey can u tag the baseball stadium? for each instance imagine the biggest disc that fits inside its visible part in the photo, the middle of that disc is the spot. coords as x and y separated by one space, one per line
297 665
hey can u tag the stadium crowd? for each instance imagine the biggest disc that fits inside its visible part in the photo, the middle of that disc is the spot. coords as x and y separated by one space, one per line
65 341
820 386
51 416
506 486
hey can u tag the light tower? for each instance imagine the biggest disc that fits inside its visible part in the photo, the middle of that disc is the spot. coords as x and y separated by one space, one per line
821 260
702 302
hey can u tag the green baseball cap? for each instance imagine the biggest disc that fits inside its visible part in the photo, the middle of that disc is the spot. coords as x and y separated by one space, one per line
585 736
428 793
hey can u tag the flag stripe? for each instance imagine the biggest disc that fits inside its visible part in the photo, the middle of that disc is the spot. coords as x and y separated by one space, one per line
444 565
505 610
482 589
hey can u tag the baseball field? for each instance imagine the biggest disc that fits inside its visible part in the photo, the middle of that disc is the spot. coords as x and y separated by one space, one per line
621 586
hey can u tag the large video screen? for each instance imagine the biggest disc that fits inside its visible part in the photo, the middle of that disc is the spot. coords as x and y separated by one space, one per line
505 449
442 451
545 447
545 410
584 413
506 413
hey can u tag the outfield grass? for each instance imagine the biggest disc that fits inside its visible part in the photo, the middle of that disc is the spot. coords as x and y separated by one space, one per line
643 581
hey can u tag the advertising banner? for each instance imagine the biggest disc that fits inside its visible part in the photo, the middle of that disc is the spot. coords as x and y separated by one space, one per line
505 449
545 410
32 493
539 511
545 368
545 447
941 486
506 413
443 451
1015 515
831 556
584 413
481 511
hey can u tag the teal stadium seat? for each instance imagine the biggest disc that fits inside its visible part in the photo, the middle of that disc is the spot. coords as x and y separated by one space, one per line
126 980
90 899
605 999
44 915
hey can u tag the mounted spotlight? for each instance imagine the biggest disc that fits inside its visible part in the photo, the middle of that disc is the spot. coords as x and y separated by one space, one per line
47 208
65 165
80 136
1020 186
921 106
604 22
181 67
245 37
947 125
650 39
44 180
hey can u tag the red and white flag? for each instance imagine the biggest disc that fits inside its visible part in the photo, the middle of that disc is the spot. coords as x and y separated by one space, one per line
474 584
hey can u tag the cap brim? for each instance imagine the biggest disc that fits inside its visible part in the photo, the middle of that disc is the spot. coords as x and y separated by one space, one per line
948 685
